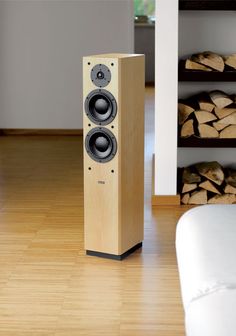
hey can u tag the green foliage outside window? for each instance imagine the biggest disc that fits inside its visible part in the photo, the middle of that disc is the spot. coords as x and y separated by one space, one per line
144 7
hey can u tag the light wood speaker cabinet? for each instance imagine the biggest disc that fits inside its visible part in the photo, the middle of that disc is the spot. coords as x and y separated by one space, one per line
113 96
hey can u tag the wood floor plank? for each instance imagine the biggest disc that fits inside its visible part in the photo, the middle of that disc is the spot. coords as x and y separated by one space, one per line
48 286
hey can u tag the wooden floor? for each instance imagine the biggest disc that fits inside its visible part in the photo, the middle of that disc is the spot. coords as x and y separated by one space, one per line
47 284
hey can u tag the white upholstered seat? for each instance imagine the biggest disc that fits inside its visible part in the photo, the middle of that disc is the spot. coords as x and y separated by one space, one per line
206 253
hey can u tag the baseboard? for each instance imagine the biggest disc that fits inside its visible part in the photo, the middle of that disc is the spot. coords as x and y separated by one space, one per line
35 131
162 199
165 200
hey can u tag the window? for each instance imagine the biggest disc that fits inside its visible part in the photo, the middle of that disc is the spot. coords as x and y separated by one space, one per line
144 7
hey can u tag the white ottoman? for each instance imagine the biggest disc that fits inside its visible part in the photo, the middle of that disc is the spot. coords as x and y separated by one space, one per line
206 254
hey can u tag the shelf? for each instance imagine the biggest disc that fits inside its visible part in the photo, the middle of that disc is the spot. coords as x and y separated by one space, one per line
205 76
206 142
207 5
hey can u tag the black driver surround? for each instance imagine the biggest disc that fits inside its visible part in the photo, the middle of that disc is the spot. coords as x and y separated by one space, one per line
100 106
101 144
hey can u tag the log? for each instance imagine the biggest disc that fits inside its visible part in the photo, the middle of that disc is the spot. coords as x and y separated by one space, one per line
229 120
224 122
191 65
208 185
220 98
185 198
205 102
231 177
184 111
209 59
230 60
204 116
233 97
187 129
230 189
190 177
212 171
207 131
222 199
218 126
189 187
228 132
198 197
224 112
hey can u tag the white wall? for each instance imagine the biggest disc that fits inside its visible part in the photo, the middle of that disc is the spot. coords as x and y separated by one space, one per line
199 31
41 49
206 30
225 156
166 97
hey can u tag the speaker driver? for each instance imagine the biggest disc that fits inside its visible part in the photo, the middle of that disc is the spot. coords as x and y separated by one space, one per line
101 107
100 144
100 75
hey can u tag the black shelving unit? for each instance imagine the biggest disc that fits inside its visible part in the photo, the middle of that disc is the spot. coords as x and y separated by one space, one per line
202 76
206 142
223 5
229 75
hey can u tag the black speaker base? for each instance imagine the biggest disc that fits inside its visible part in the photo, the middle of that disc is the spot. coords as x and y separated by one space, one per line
114 256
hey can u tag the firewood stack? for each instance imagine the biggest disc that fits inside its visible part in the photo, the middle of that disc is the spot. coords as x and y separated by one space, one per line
210 61
208 182
208 115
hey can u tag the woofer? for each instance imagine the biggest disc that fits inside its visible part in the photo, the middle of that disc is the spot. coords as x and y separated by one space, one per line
101 144
100 107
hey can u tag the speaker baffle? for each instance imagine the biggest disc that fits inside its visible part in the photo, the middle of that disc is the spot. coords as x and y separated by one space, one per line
100 106
101 144
100 75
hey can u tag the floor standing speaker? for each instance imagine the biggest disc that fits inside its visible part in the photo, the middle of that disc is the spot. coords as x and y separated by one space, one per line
113 91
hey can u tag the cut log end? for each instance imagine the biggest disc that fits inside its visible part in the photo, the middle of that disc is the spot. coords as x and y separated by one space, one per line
207 131
198 197
224 112
222 199
209 59
205 102
185 199
187 129
189 177
230 60
229 132
204 116
189 187
230 189
191 65
231 177
184 112
208 185
220 98
212 171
